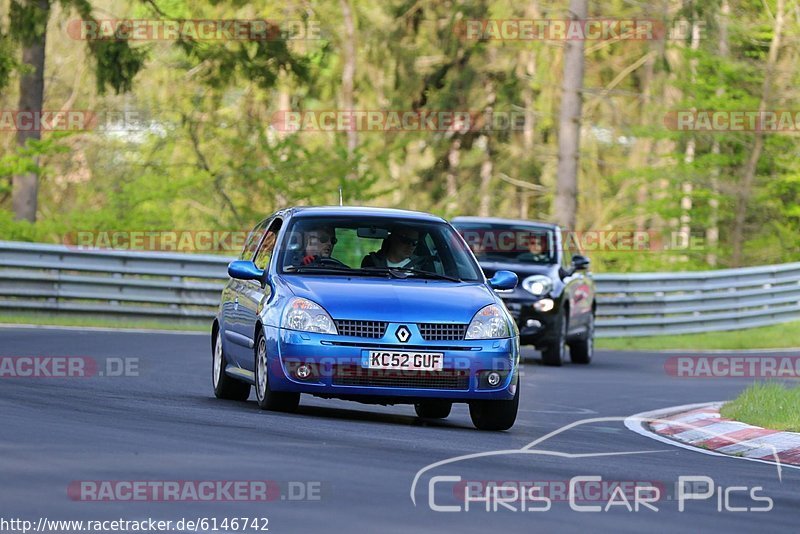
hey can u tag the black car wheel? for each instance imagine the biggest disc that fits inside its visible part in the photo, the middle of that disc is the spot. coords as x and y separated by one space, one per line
581 351
433 409
554 353
266 398
494 414
225 387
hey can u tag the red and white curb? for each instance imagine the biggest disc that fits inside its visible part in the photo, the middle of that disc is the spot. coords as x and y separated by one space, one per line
700 427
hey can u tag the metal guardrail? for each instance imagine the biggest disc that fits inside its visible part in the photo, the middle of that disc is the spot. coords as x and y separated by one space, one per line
162 286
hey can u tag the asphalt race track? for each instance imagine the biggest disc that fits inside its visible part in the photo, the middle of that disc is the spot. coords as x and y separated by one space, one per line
359 460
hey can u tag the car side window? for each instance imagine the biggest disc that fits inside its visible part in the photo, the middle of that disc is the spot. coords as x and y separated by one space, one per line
267 245
253 239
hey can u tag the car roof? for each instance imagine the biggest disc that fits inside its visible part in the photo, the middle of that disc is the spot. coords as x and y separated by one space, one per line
338 211
498 220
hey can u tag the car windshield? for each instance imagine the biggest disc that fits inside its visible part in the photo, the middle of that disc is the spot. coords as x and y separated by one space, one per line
512 243
375 246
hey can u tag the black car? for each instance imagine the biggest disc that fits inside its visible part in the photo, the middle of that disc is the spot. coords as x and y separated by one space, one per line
553 304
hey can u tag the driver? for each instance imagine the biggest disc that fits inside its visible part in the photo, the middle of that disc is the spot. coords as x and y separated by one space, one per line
396 250
537 249
318 244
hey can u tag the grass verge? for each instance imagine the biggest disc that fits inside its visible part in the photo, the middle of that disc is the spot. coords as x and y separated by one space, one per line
765 337
767 405
100 322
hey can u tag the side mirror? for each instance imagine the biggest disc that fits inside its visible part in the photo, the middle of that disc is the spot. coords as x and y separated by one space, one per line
244 270
580 263
503 280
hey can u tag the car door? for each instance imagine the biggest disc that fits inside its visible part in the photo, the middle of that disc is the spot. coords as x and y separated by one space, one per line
254 294
579 291
232 320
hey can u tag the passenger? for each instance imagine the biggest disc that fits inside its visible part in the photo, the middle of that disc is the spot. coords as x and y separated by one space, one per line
396 250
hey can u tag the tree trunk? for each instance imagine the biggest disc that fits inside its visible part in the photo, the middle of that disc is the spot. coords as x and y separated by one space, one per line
25 187
451 180
487 168
749 173
569 124
687 187
643 145
528 64
349 72
712 232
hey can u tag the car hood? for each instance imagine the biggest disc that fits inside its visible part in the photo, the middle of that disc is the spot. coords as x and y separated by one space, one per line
381 299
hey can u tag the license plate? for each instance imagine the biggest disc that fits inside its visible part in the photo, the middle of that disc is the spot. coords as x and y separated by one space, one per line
411 361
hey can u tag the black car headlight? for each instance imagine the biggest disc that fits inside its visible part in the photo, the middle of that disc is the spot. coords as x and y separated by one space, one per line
537 285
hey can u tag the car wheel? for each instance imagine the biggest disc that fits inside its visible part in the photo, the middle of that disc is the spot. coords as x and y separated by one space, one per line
225 387
267 399
581 351
494 414
554 353
433 409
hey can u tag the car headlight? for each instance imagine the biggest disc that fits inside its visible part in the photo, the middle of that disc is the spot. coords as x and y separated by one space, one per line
537 285
307 316
489 323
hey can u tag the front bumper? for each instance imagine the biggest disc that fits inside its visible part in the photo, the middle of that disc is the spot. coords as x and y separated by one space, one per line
535 327
339 370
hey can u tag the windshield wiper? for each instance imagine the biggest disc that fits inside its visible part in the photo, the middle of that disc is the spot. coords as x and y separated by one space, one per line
418 272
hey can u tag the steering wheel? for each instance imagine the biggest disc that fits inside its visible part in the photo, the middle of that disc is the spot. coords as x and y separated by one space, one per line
330 261
424 263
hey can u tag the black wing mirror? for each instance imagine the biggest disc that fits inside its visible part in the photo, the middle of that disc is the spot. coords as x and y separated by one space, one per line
580 263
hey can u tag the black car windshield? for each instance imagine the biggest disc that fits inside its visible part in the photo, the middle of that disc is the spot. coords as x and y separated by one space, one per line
512 243
359 245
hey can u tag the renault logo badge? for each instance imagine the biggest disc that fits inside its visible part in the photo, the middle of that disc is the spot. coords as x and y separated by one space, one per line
402 333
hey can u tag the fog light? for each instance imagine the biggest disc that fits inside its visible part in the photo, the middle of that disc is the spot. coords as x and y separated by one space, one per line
544 305
532 323
493 379
303 372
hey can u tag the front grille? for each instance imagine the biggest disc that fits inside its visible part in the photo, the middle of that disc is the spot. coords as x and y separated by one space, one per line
355 375
442 331
368 329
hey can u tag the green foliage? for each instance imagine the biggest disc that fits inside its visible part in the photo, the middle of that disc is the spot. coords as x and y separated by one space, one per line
208 157
8 62
116 64
27 21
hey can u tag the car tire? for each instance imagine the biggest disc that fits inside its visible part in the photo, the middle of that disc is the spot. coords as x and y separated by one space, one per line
225 387
581 351
433 409
494 414
276 401
555 353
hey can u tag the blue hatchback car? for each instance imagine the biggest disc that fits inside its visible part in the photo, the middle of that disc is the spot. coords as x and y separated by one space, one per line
366 304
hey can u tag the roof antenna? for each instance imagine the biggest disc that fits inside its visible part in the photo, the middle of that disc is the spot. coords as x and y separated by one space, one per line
340 196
